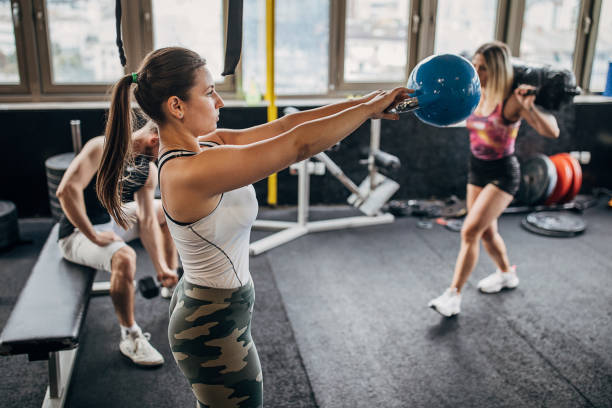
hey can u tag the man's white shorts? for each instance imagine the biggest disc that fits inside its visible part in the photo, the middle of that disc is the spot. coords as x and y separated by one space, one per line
77 248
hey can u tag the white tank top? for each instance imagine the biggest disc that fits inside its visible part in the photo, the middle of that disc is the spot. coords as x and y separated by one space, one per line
214 250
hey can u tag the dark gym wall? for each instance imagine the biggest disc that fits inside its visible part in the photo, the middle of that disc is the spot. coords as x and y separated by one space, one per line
433 159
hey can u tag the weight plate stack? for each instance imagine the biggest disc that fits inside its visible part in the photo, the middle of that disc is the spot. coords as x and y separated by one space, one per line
9 226
576 178
552 177
56 167
565 177
537 175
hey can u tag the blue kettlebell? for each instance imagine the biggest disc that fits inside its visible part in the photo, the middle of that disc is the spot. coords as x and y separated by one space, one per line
447 90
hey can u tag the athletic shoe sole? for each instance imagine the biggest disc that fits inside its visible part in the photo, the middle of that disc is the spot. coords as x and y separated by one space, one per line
143 365
509 287
436 309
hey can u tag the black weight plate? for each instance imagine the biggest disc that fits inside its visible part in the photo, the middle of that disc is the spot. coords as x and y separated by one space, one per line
534 180
57 173
56 209
59 162
7 210
9 227
51 186
554 224
54 178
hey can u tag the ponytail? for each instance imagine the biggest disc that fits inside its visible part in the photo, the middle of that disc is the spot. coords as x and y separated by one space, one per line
117 151
163 73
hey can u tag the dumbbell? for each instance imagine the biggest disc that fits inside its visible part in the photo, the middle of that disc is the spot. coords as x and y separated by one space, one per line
446 90
149 288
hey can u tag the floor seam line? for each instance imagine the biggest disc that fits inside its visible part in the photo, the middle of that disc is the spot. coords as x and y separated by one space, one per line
546 359
299 352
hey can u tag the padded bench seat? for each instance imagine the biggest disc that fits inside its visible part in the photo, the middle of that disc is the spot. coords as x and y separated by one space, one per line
47 318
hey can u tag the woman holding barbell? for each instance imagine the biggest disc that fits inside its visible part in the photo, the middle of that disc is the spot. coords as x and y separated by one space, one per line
210 205
494 172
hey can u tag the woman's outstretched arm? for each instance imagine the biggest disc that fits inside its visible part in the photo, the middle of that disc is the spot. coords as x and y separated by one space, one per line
284 124
228 167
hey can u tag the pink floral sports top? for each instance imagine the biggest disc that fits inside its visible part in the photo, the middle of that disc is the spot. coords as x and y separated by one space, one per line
492 137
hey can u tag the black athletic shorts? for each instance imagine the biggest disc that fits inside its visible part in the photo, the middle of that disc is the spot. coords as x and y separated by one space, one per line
504 173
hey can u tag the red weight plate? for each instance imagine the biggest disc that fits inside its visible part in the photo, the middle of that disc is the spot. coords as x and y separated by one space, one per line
576 181
565 177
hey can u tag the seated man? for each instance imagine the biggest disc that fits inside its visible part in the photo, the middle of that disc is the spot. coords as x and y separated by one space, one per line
88 236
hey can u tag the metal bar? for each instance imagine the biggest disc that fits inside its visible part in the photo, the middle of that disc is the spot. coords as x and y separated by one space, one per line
77 141
100 288
303 192
55 375
350 222
61 364
277 239
339 174
269 225
374 146
270 92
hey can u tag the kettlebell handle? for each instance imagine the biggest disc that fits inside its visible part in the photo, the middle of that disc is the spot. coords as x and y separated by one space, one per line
405 106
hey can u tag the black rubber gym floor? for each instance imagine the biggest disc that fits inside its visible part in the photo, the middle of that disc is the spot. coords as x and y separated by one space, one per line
341 321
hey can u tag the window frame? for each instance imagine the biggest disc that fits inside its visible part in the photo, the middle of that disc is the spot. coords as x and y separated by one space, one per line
18 30
337 41
34 59
586 36
586 42
146 32
45 58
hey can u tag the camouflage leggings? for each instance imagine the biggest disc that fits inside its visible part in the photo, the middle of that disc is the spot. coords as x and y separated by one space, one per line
210 337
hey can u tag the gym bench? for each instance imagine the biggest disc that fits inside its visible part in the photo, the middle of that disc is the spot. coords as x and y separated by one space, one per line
47 319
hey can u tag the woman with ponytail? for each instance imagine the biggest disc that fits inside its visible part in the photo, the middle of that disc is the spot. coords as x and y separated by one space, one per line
494 172
205 178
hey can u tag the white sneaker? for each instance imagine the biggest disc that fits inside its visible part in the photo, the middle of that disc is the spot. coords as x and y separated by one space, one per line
166 293
137 348
498 281
448 304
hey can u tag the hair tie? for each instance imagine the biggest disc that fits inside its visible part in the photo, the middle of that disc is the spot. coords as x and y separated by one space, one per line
134 77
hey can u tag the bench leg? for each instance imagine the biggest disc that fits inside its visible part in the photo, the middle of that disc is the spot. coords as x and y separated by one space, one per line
61 364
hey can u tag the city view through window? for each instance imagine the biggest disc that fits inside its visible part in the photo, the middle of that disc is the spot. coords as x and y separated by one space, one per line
376 44
80 35
199 29
9 72
460 29
549 32
82 41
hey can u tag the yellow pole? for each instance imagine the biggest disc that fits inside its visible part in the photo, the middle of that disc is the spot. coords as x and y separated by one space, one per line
270 93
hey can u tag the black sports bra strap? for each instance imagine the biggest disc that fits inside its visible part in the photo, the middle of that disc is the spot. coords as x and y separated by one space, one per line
172 154
169 155
209 144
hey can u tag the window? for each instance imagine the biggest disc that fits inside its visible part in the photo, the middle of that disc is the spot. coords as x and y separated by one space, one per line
64 50
549 32
89 57
193 24
376 40
603 49
301 47
253 59
461 27
9 69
